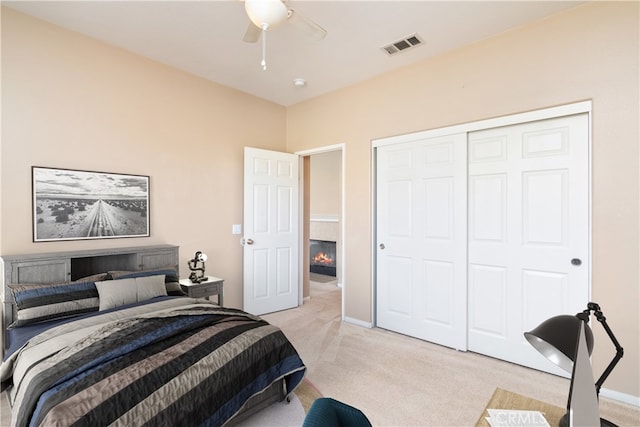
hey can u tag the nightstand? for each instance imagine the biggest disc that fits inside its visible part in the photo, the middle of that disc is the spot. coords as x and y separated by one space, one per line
211 286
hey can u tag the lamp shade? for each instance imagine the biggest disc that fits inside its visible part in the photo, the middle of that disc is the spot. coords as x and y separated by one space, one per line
556 339
266 12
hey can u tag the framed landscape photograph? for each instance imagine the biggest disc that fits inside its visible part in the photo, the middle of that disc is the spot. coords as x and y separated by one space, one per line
73 204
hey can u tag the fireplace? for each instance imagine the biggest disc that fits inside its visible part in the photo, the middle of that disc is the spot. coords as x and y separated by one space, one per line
322 257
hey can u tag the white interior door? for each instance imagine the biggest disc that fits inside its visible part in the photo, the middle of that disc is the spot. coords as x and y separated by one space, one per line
421 239
528 233
271 231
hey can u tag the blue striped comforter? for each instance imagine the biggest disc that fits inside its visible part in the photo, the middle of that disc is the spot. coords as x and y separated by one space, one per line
174 362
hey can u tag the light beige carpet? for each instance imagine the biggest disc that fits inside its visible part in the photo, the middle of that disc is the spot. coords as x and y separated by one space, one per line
322 278
279 414
285 414
401 381
307 393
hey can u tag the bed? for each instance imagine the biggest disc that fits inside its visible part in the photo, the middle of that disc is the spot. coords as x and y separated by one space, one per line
125 347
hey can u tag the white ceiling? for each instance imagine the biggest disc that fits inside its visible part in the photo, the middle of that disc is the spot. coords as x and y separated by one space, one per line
205 37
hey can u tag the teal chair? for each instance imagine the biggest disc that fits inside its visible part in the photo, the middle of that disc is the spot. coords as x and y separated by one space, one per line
327 412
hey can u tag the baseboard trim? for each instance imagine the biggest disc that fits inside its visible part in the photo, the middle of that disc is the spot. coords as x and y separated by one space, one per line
620 397
357 322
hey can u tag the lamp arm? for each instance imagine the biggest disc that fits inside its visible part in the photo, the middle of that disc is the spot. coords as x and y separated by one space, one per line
619 350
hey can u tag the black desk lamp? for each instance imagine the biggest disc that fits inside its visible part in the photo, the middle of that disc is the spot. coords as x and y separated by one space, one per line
197 272
568 342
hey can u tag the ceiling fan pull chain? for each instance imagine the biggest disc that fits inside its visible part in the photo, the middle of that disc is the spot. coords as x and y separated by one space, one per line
264 46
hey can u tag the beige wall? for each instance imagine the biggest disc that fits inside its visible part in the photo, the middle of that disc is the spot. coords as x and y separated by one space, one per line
590 52
71 102
325 183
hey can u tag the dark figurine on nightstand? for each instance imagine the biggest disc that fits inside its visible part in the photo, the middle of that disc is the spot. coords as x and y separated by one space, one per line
197 272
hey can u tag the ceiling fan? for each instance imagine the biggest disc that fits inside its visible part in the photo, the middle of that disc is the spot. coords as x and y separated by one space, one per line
267 14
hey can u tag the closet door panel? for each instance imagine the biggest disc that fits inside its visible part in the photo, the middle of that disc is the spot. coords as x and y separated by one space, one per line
421 239
528 217
487 300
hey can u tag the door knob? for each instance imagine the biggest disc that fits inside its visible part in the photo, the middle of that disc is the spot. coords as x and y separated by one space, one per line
382 246
249 242
576 261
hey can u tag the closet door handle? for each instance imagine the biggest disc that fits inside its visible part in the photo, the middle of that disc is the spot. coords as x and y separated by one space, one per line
382 246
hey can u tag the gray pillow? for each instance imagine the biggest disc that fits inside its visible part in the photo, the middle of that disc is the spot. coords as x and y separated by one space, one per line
150 287
114 293
41 302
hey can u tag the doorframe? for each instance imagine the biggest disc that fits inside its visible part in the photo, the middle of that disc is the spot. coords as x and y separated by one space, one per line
343 238
508 120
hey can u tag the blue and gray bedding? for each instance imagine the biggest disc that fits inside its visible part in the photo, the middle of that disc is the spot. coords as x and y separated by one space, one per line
167 361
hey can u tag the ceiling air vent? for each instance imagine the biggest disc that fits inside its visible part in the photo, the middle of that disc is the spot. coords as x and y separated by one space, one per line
404 44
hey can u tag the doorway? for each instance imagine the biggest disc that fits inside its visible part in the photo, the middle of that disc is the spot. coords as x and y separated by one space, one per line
322 240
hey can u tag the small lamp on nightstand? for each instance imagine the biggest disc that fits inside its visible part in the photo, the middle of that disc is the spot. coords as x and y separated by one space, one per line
197 272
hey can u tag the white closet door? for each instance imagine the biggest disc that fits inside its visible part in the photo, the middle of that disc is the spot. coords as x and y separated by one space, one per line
421 239
528 233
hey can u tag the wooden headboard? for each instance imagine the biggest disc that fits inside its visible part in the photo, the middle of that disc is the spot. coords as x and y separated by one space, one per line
59 267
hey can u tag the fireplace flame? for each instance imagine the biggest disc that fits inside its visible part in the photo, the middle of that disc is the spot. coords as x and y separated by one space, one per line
322 258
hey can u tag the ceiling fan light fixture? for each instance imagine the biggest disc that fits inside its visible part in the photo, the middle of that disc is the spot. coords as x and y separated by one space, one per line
299 82
267 13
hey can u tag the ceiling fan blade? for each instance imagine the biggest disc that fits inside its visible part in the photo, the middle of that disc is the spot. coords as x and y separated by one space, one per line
306 25
252 34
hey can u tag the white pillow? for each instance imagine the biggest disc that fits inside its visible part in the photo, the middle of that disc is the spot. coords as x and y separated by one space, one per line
114 293
150 287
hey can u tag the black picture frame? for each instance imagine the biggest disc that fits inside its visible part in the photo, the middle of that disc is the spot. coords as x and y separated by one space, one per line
73 204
